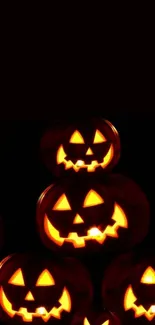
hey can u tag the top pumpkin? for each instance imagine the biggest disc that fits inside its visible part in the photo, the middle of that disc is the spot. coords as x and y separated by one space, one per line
83 146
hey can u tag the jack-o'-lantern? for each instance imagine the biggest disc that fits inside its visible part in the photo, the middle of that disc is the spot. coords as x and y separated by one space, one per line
81 213
96 318
87 145
76 215
35 289
140 297
134 296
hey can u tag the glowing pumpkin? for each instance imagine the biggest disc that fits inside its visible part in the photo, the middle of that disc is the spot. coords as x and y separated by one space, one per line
88 145
74 214
80 213
140 297
134 295
96 318
36 289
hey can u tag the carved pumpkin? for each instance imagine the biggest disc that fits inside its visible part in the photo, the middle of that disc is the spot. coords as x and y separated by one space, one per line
79 213
134 295
96 318
88 145
38 289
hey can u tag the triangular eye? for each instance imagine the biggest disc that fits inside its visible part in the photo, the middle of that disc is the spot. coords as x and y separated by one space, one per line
86 321
106 322
45 279
92 198
148 276
76 138
17 278
99 137
62 203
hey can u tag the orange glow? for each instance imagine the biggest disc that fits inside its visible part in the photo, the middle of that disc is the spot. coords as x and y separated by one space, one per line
52 232
86 322
80 163
78 219
64 300
99 137
76 137
93 232
17 278
61 155
152 309
120 217
148 276
62 203
29 296
41 311
89 152
129 298
6 305
129 303
77 241
45 279
92 198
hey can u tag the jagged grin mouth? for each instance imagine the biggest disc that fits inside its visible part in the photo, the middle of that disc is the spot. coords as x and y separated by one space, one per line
130 303
92 234
41 312
61 155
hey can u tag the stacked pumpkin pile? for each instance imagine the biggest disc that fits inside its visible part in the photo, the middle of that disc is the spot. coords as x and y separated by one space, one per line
87 210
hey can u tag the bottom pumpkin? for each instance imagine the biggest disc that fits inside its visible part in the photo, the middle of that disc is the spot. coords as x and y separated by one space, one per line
96 318
129 288
40 289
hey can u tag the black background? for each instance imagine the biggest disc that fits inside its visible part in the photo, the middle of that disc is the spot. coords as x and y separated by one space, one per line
71 67
23 177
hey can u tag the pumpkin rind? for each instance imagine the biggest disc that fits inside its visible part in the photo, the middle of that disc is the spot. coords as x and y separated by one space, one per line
96 318
38 289
132 296
84 146
83 214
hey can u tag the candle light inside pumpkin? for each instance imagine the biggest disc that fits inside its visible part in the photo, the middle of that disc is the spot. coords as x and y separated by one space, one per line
80 163
41 311
94 232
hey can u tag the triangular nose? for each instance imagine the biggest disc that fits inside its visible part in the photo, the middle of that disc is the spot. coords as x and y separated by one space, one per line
78 219
29 296
89 152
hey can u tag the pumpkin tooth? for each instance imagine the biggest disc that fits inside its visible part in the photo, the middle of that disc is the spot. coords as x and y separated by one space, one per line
27 317
55 312
111 231
68 164
76 240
